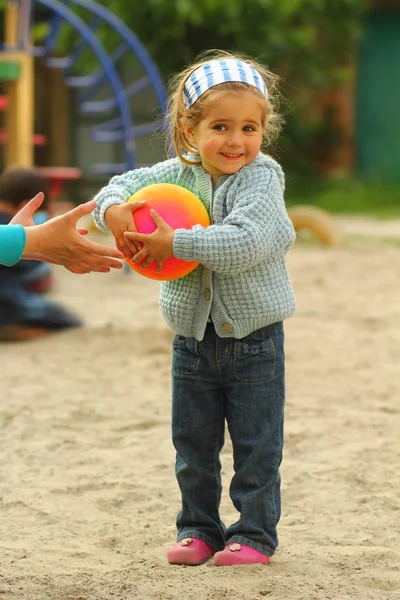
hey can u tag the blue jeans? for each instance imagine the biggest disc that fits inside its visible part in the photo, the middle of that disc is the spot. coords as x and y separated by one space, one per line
242 382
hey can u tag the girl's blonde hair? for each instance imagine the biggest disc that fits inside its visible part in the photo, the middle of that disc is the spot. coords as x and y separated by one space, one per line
178 116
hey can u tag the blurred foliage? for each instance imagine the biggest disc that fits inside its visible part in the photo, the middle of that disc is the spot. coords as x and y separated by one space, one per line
309 42
308 39
350 196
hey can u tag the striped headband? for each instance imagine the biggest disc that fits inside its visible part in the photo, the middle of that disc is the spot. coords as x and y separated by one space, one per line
216 72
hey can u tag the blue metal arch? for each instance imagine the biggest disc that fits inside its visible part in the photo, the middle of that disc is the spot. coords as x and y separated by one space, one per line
94 82
109 68
132 42
119 129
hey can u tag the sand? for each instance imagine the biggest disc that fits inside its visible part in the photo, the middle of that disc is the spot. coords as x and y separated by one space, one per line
88 493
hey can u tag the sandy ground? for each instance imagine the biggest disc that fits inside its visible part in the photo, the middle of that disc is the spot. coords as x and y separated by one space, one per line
88 493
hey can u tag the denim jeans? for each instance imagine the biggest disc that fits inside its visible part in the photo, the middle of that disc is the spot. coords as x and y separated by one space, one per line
242 382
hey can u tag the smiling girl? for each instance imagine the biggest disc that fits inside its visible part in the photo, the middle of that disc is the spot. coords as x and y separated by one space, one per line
228 351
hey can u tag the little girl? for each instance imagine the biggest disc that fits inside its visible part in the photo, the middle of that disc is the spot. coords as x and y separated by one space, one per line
228 351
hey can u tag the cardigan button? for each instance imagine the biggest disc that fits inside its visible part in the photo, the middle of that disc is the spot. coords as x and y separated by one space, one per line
227 328
207 293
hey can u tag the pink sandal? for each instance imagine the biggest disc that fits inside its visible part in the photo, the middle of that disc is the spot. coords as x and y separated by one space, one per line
238 554
190 551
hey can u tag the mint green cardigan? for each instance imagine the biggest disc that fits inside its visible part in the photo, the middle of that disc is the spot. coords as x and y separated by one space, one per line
242 282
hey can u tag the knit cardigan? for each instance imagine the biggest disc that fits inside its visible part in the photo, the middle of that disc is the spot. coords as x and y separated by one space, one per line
242 282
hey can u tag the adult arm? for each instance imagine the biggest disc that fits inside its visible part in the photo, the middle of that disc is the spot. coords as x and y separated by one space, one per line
59 241
12 244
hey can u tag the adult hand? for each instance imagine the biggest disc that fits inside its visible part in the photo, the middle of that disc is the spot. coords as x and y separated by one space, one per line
119 219
24 216
59 241
157 246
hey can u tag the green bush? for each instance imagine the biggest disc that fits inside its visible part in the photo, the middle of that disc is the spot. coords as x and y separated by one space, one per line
309 42
345 196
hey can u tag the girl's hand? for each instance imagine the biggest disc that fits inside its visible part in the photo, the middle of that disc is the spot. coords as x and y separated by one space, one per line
157 246
119 219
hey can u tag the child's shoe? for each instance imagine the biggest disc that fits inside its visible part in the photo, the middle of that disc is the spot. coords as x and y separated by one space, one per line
190 551
238 554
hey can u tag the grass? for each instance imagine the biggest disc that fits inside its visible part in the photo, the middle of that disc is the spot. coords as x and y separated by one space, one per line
349 196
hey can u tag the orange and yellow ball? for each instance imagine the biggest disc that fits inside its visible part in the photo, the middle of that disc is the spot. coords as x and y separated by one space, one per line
181 209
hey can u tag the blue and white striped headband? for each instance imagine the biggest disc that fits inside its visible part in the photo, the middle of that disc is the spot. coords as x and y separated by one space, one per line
216 72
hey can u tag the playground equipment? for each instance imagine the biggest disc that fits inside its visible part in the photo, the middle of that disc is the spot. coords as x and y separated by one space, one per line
316 220
113 114
180 208
101 93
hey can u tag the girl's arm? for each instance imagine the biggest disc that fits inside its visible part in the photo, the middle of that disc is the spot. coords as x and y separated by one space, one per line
122 187
258 226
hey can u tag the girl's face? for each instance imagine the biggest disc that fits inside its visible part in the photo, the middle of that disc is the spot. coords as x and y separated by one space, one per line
229 135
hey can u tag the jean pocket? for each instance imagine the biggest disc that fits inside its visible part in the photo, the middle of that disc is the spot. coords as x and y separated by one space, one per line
254 362
185 358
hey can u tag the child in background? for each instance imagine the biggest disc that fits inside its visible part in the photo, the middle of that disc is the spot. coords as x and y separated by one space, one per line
24 313
17 186
228 351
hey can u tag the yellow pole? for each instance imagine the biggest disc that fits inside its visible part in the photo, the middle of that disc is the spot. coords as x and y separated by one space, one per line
20 112
11 33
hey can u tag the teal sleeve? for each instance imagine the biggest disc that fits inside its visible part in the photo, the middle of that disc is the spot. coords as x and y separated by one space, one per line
12 244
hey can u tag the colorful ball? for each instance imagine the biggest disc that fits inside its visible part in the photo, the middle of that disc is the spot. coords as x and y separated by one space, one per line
181 209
